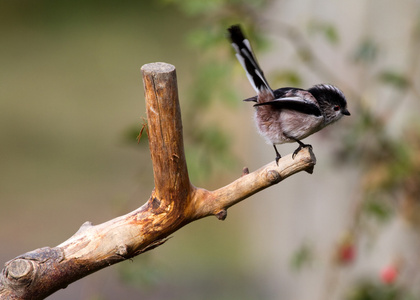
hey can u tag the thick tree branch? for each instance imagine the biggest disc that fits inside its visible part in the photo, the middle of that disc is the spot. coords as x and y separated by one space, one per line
173 203
165 133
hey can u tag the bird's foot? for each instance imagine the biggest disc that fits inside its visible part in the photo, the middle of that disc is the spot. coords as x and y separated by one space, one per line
277 159
301 146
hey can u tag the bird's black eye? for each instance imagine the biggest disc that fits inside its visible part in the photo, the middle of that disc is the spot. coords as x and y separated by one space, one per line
336 107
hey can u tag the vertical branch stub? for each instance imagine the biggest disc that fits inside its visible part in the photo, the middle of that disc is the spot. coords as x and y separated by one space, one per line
165 132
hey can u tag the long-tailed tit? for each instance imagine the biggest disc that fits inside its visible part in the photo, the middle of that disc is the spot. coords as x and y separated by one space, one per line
287 114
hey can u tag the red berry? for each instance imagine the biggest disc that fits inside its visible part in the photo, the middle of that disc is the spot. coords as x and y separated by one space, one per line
346 253
389 274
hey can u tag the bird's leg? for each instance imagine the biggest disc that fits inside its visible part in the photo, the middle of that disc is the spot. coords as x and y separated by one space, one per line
301 145
278 156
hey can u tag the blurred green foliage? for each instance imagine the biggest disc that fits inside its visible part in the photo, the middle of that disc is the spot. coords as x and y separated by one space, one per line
302 257
395 79
368 290
287 77
219 10
327 30
367 51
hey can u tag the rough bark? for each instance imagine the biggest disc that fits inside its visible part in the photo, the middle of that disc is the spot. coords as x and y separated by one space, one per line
173 203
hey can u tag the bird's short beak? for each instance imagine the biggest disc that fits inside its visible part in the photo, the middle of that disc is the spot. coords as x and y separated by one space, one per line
345 112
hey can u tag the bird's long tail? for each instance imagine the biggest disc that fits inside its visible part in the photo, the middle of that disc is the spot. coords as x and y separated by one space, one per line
249 62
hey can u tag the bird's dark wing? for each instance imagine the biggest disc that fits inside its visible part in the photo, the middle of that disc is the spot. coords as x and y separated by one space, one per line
296 104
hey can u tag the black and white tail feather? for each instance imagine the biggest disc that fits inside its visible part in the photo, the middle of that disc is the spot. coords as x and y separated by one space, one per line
288 114
248 61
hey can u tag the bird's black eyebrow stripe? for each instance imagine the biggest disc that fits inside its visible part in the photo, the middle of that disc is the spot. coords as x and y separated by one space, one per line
299 106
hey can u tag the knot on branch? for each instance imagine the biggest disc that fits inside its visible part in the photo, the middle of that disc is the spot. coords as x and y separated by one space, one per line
273 176
122 250
245 171
221 215
20 273
158 206
24 270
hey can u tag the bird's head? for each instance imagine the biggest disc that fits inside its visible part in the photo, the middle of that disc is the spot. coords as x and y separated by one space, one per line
331 100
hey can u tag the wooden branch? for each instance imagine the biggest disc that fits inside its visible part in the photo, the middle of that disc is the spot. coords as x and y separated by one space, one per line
218 201
173 203
165 133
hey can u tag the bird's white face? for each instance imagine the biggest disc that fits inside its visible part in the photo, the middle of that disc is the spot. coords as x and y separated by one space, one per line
334 113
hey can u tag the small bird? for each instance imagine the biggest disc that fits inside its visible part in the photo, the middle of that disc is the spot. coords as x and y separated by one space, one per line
288 114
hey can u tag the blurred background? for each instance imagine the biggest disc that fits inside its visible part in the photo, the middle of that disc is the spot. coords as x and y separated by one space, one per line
72 106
